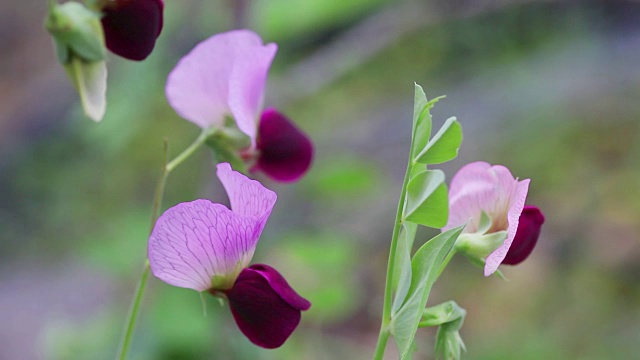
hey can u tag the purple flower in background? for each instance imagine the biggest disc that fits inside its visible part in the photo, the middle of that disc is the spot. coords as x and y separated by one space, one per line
479 188
131 27
225 76
206 247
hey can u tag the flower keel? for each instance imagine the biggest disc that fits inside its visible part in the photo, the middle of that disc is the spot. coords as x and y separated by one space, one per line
531 221
264 306
285 152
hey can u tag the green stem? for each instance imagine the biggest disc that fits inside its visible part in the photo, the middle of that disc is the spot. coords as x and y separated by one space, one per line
383 336
132 316
125 342
186 153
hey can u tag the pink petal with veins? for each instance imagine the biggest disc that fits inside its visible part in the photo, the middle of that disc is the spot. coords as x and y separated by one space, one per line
517 197
193 242
479 187
247 197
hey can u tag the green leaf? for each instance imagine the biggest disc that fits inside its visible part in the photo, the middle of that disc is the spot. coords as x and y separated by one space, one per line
421 120
403 264
444 145
90 80
425 267
427 203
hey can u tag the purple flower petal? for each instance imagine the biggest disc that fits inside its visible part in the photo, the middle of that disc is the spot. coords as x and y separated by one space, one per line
247 85
531 221
223 75
202 245
266 309
247 197
285 152
131 27
479 187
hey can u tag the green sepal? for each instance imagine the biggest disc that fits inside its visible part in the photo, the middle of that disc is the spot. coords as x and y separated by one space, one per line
427 202
233 137
220 282
90 81
425 269
481 262
223 151
476 245
485 223
76 30
444 145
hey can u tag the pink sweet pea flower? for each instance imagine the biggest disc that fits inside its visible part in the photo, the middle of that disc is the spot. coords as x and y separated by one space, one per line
207 247
131 27
479 187
225 76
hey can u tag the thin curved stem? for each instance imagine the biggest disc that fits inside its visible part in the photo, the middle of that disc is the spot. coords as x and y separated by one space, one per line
125 342
132 316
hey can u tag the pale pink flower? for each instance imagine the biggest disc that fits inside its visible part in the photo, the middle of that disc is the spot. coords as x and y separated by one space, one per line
224 75
479 187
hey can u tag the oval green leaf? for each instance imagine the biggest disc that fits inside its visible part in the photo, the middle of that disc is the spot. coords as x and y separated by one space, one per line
427 202
444 145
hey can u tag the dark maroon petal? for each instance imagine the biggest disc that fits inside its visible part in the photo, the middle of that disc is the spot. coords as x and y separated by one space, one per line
265 307
531 221
131 27
285 151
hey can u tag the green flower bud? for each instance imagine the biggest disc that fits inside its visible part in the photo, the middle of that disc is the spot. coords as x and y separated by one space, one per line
79 42
77 31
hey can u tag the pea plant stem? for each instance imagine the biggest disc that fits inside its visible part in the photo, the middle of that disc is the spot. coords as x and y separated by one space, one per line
134 309
383 336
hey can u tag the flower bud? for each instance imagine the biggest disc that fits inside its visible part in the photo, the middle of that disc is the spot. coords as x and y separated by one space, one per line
76 31
79 43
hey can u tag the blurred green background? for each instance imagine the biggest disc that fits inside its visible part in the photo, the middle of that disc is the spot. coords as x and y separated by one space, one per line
548 88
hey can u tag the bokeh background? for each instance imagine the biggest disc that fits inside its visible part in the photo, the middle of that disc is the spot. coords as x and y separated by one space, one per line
550 89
